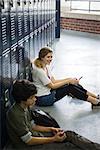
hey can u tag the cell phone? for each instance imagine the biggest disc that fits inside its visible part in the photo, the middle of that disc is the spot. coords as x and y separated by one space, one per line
61 134
81 77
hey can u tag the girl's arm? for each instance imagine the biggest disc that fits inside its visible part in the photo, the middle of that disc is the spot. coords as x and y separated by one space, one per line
60 80
54 84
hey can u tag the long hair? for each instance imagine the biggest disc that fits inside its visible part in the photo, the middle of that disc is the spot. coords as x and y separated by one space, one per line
42 53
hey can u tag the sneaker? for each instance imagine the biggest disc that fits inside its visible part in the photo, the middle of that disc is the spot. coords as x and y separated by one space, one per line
96 106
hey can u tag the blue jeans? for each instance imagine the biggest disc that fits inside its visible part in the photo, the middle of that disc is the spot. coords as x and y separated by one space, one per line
46 100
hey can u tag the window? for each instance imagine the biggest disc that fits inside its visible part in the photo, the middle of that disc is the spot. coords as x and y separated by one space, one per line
83 5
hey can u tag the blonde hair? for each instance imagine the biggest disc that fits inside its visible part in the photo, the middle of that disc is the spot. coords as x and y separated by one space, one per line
42 53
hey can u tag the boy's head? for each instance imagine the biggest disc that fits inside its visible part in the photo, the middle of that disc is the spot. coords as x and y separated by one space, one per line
23 90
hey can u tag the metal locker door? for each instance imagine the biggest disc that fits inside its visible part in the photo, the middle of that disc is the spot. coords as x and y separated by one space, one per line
32 53
5 65
20 39
14 63
39 39
25 6
6 69
43 11
6 88
5 32
13 23
20 25
48 23
35 43
0 57
35 14
13 38
54 19
57 30
41 42
0 54
43 35
1 142
31 16
42 23
26 37
27 46
20 60
38 13
0 77
5 38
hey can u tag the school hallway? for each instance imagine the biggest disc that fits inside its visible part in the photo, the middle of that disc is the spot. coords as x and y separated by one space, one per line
77 54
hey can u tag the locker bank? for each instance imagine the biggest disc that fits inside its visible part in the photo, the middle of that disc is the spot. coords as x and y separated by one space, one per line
28 25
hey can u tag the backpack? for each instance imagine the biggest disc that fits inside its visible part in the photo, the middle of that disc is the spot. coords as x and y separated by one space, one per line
43 118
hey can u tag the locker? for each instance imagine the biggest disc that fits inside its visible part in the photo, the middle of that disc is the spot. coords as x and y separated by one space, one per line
57 30
5 32
28 68
31 17
38 39
0 79
3 124
25 6
53 29
36 43
0 34
43 12
25 27
46 34
6 81
6 69
20 24
20 61
0 58
32 53
2 4
14 63
11 3
13 23
31 38
43 36
40 13
27 46
35 14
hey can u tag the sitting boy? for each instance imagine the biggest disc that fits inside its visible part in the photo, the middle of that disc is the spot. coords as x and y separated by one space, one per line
25 134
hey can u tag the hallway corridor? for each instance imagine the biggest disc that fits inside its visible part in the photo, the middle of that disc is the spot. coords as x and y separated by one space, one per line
77 54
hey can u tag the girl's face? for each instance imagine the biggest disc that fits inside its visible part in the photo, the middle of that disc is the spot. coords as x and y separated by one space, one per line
47 59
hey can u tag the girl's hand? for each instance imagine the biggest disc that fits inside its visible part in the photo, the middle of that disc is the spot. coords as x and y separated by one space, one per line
74 81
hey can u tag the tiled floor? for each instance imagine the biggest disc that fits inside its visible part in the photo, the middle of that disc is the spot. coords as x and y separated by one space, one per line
78 54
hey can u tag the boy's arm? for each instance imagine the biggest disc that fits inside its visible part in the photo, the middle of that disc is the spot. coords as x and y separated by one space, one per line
46 129
40 140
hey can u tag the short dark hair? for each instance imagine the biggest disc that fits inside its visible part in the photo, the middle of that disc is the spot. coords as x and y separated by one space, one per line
22 90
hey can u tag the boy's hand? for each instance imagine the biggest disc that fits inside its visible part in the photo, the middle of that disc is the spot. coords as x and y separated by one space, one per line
56 130
60 136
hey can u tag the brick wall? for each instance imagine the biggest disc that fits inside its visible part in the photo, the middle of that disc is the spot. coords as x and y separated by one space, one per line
83 25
